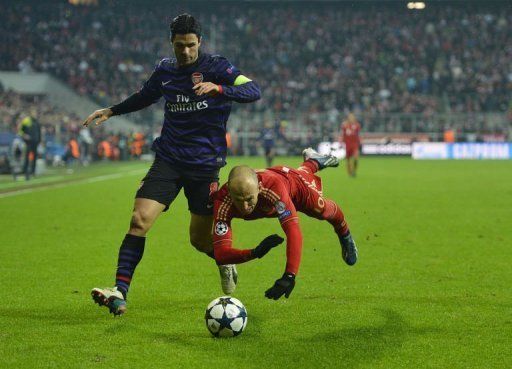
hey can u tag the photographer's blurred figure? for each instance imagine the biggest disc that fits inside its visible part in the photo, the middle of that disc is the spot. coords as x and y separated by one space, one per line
85 142
30 131
72 151
17 154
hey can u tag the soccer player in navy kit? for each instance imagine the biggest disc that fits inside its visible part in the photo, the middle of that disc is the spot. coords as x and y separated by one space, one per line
268 136
198 89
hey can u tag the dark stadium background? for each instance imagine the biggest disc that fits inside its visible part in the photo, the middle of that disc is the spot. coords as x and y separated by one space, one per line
409 75
431 288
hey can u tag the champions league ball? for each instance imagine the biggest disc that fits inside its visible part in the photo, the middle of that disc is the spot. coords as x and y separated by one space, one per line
226 317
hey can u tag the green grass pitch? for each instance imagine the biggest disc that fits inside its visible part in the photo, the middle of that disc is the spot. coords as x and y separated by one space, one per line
432 287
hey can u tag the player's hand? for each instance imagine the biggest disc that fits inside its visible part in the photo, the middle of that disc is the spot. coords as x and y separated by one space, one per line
101 116
283 286
266 245
206 88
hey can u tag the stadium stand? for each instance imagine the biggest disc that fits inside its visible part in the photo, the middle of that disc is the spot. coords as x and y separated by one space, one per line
450 58
399 70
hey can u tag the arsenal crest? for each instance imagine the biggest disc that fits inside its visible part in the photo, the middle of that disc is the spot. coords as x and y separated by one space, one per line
197 78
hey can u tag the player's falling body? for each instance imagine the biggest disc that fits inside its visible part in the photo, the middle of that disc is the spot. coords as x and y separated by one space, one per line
278 192
198 89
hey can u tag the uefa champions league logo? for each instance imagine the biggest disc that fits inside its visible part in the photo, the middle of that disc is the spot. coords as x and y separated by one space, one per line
221 228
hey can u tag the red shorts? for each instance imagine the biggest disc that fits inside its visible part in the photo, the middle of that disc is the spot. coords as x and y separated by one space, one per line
311 201
352 150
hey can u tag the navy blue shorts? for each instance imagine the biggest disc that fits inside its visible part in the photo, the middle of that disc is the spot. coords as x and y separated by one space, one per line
164 181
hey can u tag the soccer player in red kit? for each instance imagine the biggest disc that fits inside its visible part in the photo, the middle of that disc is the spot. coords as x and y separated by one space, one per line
277 192
350 136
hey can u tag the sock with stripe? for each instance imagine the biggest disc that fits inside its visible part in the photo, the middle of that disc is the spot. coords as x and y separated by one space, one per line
130 253
333 214
310 165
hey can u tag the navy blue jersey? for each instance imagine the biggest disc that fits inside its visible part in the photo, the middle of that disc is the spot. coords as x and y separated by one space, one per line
268 135
194 129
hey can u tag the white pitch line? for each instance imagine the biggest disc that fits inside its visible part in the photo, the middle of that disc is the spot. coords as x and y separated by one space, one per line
105 177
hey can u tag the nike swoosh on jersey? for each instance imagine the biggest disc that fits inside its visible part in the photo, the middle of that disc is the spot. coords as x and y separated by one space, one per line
166 83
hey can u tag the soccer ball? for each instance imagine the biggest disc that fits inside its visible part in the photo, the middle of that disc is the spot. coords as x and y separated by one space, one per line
226 317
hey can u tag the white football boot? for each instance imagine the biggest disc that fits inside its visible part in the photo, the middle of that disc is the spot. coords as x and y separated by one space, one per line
323 161
228 278
111 298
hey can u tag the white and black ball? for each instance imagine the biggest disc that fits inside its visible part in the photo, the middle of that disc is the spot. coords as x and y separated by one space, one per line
226 317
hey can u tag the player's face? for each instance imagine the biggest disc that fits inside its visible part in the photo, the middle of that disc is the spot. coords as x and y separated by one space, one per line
245 200
186 48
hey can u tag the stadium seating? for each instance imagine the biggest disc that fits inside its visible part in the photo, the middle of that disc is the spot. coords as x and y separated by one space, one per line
381 58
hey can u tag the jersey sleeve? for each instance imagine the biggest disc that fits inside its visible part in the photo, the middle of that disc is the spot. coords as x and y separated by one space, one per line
222 235
287 215
152 89
225 72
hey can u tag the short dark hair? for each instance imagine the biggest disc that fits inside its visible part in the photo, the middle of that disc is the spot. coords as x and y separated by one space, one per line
183 24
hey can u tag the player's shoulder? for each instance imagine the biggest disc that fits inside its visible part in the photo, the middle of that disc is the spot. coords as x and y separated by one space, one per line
222 203
272 178
222 194
218 62
216 58
167 64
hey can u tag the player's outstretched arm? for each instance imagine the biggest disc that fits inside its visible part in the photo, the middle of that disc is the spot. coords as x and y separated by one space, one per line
147 95
266 245
100 116
283 286
225 254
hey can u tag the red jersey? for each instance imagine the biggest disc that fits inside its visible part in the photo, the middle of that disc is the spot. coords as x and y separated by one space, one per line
350 133
284 191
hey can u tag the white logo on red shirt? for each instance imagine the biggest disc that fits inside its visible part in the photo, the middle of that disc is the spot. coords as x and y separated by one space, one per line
221 228
280 207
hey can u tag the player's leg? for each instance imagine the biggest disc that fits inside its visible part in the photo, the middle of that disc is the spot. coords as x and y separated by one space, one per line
200 232
324 209
356 159
158 189
199 192
334 215
348 159
323 161
201 239
26 161
34 159
145 212
269 155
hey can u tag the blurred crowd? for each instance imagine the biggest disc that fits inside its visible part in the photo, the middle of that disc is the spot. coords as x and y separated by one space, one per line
327 57
58 136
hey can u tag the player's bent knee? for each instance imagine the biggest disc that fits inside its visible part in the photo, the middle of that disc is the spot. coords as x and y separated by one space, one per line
200 242
140 222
